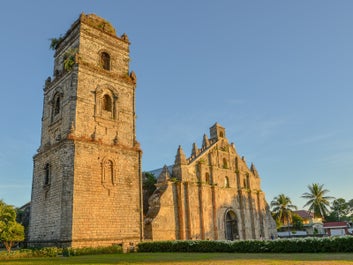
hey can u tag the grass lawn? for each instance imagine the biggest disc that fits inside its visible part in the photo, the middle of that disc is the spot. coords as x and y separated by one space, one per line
193 259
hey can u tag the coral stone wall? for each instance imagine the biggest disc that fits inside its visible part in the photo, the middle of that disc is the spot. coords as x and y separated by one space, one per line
211 195
88 144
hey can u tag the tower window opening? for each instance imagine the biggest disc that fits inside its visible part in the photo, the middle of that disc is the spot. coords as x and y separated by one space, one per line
105 61
107 103
47 174
57 106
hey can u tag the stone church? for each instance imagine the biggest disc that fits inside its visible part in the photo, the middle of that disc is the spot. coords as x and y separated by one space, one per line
213 194
87 176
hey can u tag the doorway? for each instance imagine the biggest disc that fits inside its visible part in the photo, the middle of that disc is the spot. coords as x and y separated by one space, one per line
231 225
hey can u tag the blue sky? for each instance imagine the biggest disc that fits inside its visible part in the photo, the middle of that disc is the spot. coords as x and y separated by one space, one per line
278 75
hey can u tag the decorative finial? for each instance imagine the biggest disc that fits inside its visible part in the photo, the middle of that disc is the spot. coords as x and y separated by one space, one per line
133 77
125 37
195 150
205 142
180 158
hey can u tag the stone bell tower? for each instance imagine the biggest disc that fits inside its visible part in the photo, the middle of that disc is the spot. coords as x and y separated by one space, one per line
86 188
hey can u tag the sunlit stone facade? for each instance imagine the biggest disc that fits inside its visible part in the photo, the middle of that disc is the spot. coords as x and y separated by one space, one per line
87 172
213 194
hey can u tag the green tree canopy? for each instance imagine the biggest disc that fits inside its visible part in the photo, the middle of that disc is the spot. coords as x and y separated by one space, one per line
297 222
340 210
282 209
317 200
149 187
350 205
10 231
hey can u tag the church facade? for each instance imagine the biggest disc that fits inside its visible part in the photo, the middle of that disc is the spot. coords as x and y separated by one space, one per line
212 195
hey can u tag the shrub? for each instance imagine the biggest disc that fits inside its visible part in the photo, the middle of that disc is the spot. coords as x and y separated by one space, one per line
307 245
16 254
54 251
30 253
92 250
46 252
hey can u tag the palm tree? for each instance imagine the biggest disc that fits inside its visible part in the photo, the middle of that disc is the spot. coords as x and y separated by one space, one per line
317 201
282 209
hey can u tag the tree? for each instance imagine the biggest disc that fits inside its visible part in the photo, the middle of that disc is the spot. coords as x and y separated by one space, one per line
149 187
10 231
317 201
23 217
282 209
340 209
297 222
350 212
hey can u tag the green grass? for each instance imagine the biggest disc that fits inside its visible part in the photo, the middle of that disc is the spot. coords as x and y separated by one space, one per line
193 259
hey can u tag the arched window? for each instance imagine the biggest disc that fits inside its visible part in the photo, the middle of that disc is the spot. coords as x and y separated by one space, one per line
107 103
207 178
57 106
108 170
225 163
226 182
56 103
105 61
247 181
108 176
47 174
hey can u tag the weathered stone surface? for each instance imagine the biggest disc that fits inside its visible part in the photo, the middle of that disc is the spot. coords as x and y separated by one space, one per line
87 172
211 195
87 188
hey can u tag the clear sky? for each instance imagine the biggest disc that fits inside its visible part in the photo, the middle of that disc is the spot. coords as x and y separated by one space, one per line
278 75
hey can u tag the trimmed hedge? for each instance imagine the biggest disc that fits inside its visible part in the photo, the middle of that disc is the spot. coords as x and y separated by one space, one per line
305 245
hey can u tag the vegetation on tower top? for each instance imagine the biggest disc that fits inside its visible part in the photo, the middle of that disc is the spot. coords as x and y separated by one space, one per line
99 23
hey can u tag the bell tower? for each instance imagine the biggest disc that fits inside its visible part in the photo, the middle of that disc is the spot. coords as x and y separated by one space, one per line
217 131
86 188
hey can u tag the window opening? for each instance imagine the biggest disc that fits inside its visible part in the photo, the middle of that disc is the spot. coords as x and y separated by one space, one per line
225 164
57 106
207 178
105 60
226 182
47 174
107 103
